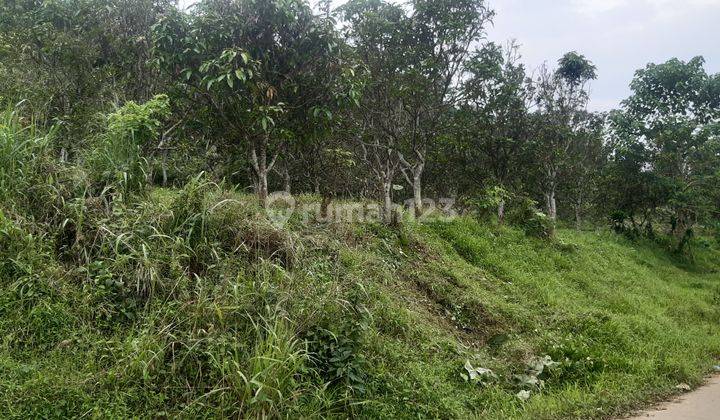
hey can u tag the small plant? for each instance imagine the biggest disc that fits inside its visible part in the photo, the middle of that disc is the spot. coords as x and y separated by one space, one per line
533 379
337 357
577 360
337 354
108 296
492 201
479 375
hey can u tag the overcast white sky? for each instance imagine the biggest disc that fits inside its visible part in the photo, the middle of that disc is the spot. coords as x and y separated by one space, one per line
619 36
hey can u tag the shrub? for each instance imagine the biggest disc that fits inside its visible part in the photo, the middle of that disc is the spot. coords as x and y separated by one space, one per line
535 223
488 202
336 351
116 162
337 357
617 220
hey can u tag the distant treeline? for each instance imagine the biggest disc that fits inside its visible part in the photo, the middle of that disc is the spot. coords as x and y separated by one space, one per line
397 102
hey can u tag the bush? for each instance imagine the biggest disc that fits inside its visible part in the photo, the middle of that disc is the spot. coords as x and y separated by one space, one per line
116 162
486 205
526 215
337 355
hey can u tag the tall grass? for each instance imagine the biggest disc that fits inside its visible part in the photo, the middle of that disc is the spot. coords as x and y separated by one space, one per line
22 148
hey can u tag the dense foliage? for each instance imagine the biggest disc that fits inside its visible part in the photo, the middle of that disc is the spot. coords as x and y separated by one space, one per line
139 278
278 94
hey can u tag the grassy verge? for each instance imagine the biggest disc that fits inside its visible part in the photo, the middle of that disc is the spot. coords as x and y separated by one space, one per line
191 303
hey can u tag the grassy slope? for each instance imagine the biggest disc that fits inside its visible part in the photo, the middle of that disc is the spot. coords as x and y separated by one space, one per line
626 322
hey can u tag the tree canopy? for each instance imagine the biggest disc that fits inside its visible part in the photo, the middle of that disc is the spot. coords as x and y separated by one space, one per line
403 103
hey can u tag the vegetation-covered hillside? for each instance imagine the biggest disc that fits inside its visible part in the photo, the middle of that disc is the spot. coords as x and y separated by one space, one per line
190 302
425 266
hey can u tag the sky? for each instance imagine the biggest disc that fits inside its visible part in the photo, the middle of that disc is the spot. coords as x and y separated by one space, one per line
618 36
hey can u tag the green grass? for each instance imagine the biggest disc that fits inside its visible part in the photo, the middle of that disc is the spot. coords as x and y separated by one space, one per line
191 303
624 320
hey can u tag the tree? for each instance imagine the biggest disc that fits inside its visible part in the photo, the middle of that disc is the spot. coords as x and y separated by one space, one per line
587 156
493 119
415 59
632 192
255 63
376 30
71 58
443 33
561 98
673 112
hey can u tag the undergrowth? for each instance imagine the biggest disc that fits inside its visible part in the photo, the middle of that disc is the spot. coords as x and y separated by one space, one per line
122 300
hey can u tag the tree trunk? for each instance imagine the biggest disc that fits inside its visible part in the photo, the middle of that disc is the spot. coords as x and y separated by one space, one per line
416 181
417 194
324 206
286 179
387 201
501 212
551 205
262 188
259 162
164 168
164 174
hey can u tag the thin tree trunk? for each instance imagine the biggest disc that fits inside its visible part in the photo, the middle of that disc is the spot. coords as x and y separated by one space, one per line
286 179
578 215
387 201
262 189
261 167
164 169
262 176
416 181
164 174
551 209
417 194
501 212
324 206
550 204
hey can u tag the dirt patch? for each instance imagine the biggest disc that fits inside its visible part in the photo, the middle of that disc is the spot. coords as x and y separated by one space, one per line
444 300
